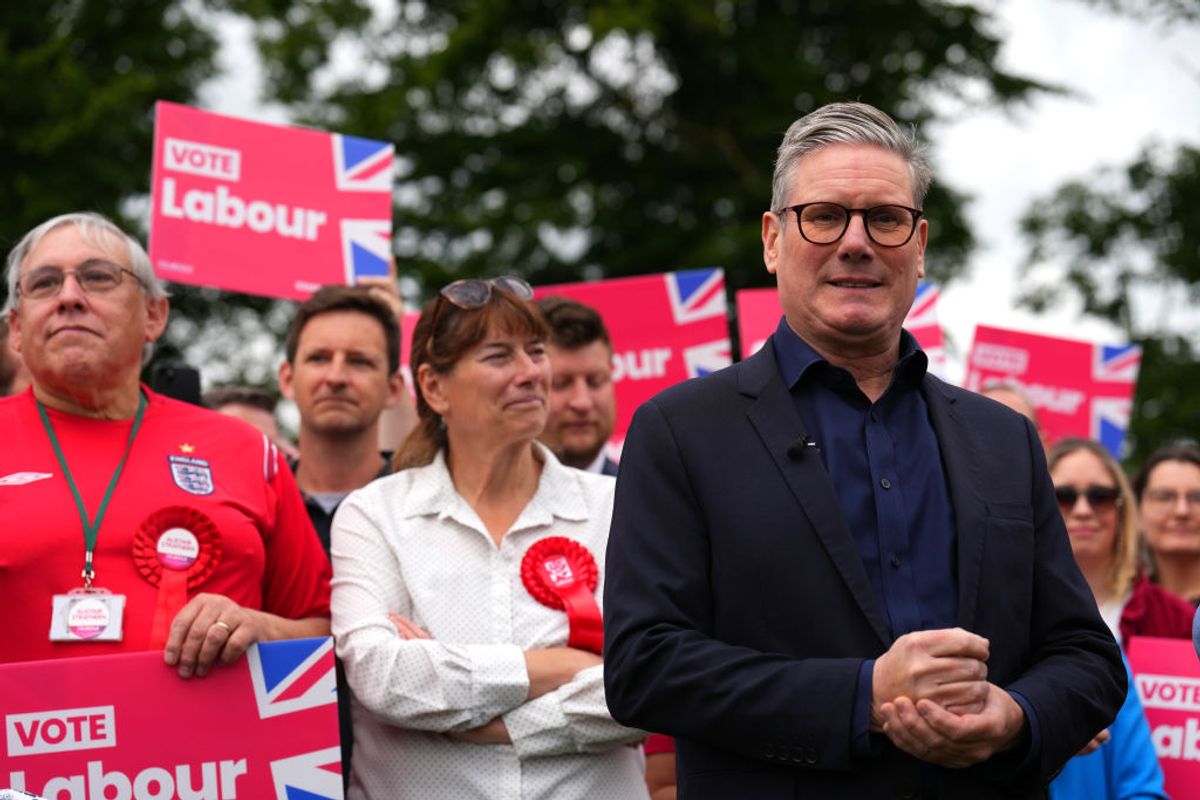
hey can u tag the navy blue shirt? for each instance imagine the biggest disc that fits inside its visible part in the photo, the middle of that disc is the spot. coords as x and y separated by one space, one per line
883 461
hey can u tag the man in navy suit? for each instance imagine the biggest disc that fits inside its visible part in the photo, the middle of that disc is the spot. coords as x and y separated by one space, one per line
829 573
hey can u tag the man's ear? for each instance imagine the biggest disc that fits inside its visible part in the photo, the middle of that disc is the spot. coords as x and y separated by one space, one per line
922 239
157 311
396 389
771 233
285 380
14 331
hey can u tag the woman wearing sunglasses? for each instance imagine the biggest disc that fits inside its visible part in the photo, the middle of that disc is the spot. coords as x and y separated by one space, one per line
1098 508
466 584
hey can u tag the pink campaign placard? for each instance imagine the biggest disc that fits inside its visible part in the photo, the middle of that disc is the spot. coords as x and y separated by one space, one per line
759 312
1078 388
665 328
1167 675
126 727
266 209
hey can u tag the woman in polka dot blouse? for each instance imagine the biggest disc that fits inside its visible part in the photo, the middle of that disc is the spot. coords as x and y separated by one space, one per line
466 585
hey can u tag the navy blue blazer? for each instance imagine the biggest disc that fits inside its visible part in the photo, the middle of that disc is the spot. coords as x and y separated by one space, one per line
737 611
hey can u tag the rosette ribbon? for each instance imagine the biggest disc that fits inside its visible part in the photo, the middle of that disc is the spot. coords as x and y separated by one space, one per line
561 574
174 577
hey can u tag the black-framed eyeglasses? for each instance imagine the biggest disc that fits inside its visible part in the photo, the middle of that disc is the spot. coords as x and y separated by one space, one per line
93 277
825 223
1099 498
476 292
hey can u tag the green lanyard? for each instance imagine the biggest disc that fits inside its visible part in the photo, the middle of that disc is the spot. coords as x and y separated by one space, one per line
91 528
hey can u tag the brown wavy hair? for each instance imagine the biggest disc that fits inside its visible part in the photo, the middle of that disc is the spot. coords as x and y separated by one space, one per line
443 335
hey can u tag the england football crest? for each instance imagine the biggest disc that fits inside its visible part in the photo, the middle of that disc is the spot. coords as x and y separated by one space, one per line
193 475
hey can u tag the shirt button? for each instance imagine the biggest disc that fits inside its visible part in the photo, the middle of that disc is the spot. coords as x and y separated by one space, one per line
885 483
896 561
874 417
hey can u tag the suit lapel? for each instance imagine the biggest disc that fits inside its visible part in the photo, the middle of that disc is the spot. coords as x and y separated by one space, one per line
960 460
774 417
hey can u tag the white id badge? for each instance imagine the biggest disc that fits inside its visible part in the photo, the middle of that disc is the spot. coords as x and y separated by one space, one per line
87 615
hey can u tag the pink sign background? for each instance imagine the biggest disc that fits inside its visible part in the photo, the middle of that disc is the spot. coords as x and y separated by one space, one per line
665 328
266 209
1167 675
1079 388
759 312
126 727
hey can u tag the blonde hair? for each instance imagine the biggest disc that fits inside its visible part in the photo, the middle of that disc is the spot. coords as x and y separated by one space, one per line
1126 545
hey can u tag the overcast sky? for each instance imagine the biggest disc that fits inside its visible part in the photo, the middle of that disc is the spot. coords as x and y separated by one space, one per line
1132 81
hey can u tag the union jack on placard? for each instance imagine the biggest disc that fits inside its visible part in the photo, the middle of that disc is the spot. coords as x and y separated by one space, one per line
696 294
311 776
366 246
292 675
923 313
1110 420
362 165
708 357
1116 363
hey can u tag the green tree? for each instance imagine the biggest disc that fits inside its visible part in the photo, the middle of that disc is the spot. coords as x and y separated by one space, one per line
561 141
1127 243
80 81
576 139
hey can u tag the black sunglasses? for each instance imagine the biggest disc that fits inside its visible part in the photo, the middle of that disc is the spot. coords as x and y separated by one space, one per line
1099 498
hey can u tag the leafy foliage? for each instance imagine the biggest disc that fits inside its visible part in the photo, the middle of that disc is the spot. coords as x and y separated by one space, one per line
1128 245
577 139
80 81
562 141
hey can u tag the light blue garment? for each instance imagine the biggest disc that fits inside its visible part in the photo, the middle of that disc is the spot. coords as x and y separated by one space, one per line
1123 768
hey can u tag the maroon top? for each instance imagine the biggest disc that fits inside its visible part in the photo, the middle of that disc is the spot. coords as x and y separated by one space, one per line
1153 611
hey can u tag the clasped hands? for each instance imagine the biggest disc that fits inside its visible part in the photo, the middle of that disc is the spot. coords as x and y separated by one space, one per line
932 699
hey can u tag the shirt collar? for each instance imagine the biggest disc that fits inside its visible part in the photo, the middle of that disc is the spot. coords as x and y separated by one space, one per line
795 356
597 465
559 494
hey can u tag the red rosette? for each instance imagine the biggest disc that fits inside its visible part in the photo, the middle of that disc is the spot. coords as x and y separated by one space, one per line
561 574
178 566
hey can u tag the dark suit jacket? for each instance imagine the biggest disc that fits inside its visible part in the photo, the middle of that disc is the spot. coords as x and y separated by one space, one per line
609 468
737 610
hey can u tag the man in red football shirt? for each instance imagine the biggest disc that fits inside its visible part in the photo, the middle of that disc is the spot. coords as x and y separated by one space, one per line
128 520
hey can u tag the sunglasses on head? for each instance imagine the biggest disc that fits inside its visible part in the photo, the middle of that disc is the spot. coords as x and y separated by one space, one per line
472 293
1099 498
475 292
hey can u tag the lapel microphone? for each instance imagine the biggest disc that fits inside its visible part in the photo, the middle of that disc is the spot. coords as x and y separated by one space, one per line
796 449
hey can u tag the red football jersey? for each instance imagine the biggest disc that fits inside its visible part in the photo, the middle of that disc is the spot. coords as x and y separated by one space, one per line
189 460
